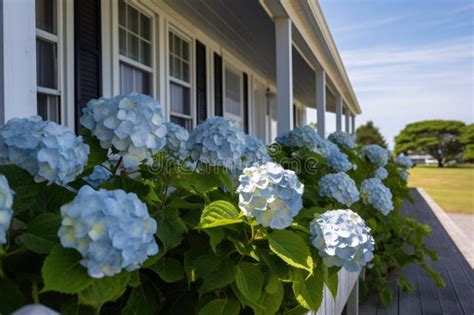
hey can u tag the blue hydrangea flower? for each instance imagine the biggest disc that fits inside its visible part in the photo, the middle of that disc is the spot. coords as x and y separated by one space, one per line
342 239
6 211
343 139
375 193
339 161
375 154
133 125
301 137
176 139
99 175
48 151
35 309
111 229
340 187
404 161
381 173
403 174
217 142
255 151
271 194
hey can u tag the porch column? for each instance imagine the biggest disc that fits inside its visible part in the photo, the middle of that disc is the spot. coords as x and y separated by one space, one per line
284 74
17 59
339 113
321 102
347 129
353 123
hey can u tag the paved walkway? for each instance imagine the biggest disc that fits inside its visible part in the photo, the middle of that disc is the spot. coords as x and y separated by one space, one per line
465 223
456 298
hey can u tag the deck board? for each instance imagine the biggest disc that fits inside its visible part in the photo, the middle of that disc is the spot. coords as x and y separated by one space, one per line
456 298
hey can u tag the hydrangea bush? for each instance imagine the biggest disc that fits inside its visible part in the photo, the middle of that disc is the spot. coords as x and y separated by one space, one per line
343 139
375 154
95 228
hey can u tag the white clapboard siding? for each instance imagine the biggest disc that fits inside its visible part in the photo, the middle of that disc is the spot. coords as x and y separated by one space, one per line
347 282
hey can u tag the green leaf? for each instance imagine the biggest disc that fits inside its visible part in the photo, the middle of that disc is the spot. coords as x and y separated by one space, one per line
308 290
216 236
42 233
331 278
270 302
11 297
292 248
97 155
249 280
196 183
72 307
273 284
105 289
134 279
214 307
62 272
386 296
226 179
144 300
276 265
232 307
219 213
438 279
169 269
298 310
171 228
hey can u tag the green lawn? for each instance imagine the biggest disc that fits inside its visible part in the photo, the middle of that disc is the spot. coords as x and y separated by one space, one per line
451 187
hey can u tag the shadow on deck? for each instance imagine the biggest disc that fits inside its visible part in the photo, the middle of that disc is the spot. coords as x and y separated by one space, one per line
456 298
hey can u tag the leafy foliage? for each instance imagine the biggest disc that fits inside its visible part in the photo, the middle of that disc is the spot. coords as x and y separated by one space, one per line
467 139
369 134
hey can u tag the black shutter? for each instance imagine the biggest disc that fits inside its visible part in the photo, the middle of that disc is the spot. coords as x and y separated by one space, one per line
246 102
218 100
87 49
201 82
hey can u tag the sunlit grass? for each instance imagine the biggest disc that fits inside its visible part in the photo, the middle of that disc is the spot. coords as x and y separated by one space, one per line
451 187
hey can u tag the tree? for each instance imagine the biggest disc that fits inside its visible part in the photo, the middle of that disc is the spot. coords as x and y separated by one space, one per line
467 139
439 138
369 134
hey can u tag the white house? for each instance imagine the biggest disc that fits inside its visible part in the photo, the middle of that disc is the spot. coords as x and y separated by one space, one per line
260 63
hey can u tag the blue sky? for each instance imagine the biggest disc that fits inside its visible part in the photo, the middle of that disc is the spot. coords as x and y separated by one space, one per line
407 60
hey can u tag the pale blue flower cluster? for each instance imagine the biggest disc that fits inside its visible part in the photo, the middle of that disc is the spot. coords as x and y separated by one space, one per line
403 174
381 173
343 139
300 137
111 229
48 151
404 161
340 187
133 125
176 139
99 175
375 193
6 211
255 151
343 239
217 142
375 154
339 161
325 147
271 194
35 309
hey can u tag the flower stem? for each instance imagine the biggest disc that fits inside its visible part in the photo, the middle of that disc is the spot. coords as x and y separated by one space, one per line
117 166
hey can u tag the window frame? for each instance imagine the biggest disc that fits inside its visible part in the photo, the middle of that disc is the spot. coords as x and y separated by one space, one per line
151 69
170 28
229 65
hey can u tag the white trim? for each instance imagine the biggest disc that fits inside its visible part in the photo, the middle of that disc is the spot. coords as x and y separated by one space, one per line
50 36
135 64
48 91
320 78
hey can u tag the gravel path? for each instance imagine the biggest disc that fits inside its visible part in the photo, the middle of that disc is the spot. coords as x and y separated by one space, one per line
465 222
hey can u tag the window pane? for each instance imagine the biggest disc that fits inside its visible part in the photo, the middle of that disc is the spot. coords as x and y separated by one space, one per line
48 107
185 51
145 53
185 73
177 45
144 27
122 13
142 82
46 15
46 68
232 93
132 47
134 80
183 122
132 22
123 42
179 99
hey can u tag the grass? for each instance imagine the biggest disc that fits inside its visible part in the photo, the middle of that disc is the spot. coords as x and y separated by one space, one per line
451 187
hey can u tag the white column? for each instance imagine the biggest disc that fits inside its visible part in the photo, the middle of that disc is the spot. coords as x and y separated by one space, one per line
18 59
339 107
347 128
284 67
353 123
321 102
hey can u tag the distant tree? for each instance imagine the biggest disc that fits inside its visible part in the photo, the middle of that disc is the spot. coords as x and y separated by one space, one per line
467 139
369 134
439 138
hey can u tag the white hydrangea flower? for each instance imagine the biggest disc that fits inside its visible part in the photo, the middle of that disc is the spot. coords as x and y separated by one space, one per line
343 139
48 151
375 193
6 211
340 187
111 229
342 239
271 194
133 125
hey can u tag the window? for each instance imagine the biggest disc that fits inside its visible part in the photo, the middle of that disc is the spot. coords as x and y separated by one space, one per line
233 98
135 50
47 41
180 80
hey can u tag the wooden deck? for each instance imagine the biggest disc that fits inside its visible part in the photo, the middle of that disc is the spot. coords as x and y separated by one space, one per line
456 298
